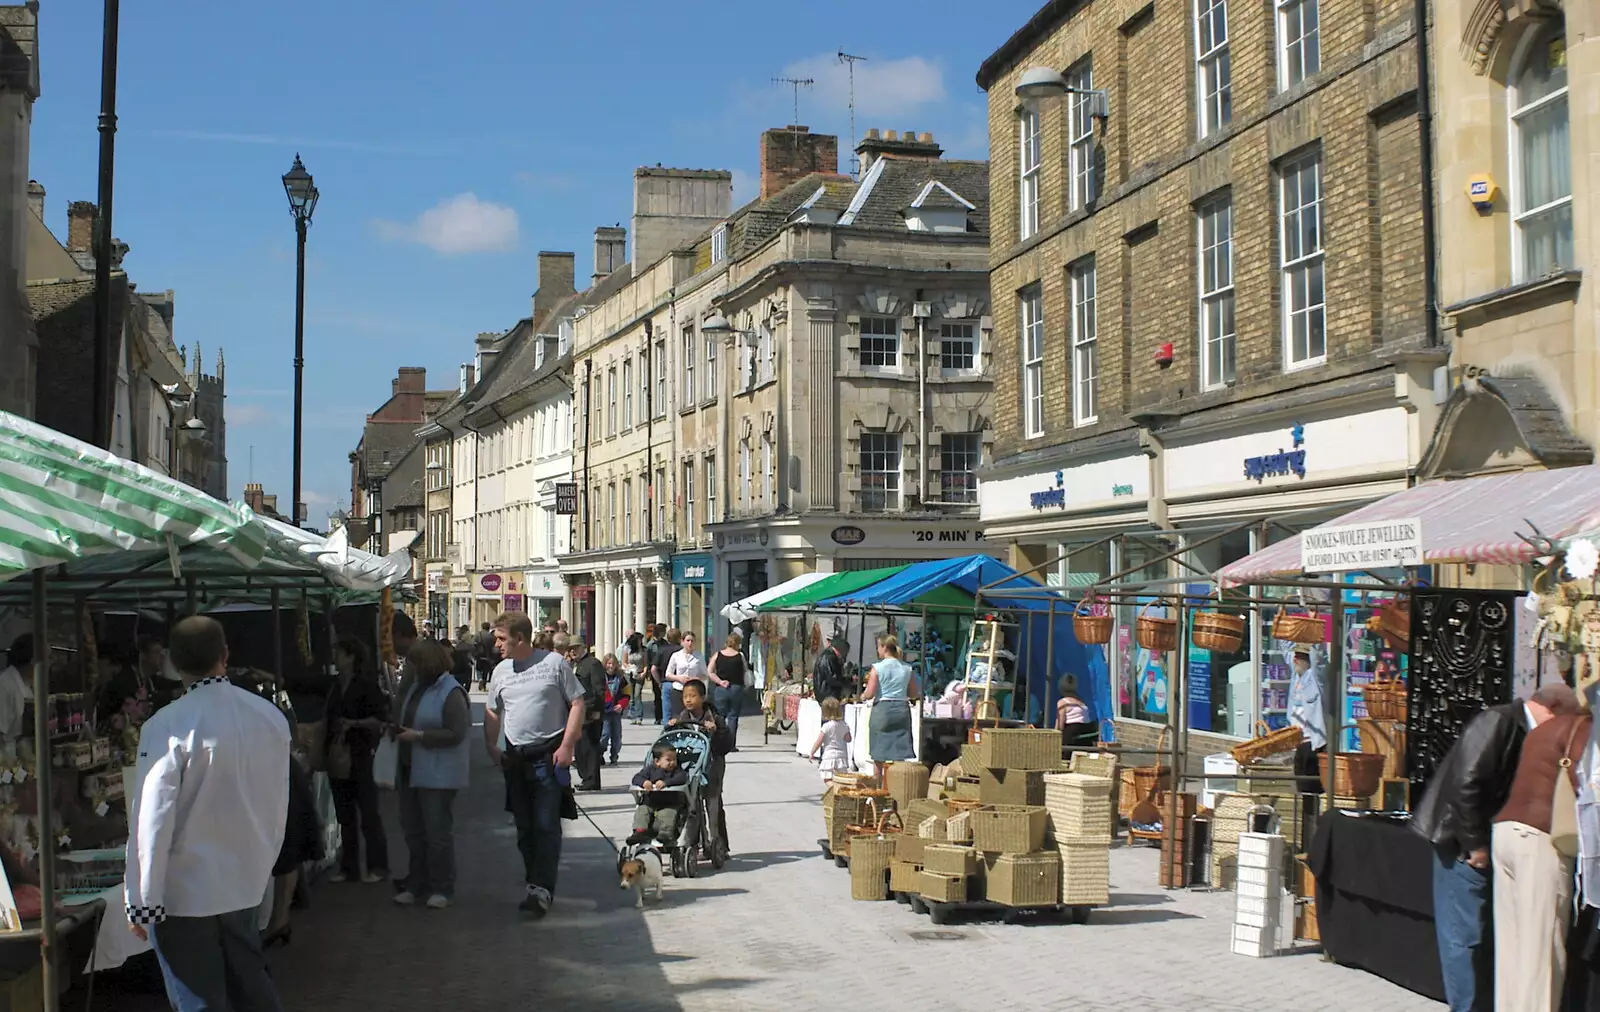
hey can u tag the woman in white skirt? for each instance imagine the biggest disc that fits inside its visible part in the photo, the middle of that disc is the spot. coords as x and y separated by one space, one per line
833 740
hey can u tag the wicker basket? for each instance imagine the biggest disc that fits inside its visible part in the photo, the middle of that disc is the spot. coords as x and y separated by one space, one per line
1267 743
1355 775
904 877
1018 748
1154 633
908 847
950 859
869 866
932 829
843 780
942 888
958 828
920 808
1080 807
1011 787
1023 880
1393 623
1146 782
1092 622
1386 700
1299 628
1085 873
1219 631
1095 764
906 781
1009 829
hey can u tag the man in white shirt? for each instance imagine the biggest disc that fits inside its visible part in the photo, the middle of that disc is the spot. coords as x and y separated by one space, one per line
16 688
205 828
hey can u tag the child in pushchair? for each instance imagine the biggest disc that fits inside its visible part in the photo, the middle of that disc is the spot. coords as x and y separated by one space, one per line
660 808
680 839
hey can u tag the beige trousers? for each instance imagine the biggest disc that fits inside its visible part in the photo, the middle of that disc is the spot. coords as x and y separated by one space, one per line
1532 905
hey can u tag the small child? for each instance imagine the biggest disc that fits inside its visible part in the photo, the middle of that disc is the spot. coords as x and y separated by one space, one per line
657 816
833 740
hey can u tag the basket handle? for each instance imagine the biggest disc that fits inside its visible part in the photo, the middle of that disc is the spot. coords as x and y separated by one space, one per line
1261 729
1151 604
1161 743
883 822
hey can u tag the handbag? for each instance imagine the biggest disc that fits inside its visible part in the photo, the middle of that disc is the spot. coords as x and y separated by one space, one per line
386 763
1564 806
339 760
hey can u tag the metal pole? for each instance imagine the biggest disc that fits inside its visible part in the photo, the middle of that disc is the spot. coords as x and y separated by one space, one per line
1049 662
47 835
1333 692
104 370
277 639
299 352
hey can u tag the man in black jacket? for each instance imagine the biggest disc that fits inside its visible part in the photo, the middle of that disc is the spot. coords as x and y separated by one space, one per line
591 674
1466 792
827 675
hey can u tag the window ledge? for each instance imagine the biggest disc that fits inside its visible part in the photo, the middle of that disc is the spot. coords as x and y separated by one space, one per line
1552 287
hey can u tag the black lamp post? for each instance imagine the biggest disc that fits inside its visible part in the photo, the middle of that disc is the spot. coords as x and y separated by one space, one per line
302 202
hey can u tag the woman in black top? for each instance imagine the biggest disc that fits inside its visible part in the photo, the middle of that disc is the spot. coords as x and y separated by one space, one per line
356 712
728 673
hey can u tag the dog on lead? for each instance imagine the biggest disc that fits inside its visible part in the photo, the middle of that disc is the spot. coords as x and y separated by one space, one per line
639 869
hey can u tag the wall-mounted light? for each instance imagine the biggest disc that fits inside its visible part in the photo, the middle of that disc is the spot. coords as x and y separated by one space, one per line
1046 82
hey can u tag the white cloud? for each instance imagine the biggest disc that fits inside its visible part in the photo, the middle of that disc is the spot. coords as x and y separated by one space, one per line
457 225
883 87
245 415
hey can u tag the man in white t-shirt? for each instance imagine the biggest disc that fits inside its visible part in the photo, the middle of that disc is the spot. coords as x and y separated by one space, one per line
16 688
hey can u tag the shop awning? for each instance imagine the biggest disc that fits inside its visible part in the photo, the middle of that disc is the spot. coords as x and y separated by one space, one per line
832 585
1476 520
937 583
745 609
62 500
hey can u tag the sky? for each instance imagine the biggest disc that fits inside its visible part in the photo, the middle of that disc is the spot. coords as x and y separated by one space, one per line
450 144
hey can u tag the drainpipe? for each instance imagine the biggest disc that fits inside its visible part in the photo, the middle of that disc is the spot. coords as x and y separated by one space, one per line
1430 253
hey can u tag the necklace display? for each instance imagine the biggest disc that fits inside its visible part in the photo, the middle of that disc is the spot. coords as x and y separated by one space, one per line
1462 649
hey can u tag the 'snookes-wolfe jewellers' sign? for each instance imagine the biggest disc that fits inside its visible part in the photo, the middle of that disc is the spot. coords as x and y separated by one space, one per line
1376 544
1280 464
1051 498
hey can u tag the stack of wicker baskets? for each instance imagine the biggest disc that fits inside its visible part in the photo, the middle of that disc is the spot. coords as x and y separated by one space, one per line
1080 814
1229 819
924 826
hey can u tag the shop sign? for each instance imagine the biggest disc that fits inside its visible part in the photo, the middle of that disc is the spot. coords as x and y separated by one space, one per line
1376 544
1051 498
849 535
567 498
741 539
693 569
436 582
489 583
460 585
1118 491
513 602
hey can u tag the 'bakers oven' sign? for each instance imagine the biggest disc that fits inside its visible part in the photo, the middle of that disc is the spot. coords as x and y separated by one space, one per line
1051 498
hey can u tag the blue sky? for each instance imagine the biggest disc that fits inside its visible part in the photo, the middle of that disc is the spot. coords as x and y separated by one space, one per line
451 143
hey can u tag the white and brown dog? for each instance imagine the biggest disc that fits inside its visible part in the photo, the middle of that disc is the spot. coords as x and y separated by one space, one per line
639 869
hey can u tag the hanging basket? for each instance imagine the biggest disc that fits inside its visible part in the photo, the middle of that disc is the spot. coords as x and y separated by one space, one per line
1386 700
1218 631
1267 743
1092 622
1393 623
1299 628
1154 633
1355 775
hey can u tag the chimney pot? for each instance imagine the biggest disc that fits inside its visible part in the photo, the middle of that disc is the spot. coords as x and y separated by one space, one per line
790 154
925 138
36 198
872 134
890 135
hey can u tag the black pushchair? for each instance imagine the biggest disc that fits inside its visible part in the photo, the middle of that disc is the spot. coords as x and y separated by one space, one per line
704 785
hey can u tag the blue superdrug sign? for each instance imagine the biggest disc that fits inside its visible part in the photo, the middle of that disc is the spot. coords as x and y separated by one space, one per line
1280 464
1051 498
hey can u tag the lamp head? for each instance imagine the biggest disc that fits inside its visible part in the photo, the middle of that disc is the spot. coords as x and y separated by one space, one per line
302 191
1041 82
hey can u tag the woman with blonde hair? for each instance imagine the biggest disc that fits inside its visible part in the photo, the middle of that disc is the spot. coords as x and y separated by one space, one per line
728 673
431 721
892 687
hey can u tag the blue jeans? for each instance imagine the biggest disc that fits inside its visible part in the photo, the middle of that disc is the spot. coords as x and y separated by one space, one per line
1464 924
534 791
428 823
674 699
729 701
212 964
611 734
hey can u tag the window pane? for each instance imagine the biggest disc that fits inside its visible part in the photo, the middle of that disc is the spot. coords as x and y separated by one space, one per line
1546 155
880 342
958 462
1547 241
880 471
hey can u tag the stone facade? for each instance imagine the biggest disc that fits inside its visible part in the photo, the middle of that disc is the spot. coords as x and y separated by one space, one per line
19 87
1523 326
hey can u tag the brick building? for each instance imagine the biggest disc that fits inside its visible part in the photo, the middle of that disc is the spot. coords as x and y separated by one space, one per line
1208 289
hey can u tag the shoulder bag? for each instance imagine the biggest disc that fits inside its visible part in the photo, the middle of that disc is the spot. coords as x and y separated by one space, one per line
1564 805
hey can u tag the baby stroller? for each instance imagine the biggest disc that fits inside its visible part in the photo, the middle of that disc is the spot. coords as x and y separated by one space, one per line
694 757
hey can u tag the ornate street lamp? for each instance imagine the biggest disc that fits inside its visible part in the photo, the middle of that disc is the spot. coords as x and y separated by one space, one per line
302 191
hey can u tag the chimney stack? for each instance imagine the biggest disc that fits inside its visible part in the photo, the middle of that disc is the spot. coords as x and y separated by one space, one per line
789 154
909 146
80 226
672 206
36 198
556 271
610 251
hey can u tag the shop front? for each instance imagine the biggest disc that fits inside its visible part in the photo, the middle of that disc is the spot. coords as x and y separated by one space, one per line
436 604
494 593
461 603
693 583
544 591
617 591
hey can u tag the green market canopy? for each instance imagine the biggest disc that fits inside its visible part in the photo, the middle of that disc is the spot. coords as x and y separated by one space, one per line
834 585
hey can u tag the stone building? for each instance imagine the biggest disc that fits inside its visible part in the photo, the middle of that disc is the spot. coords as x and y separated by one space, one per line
1516 89
851 409
19 87
1209 293
389 433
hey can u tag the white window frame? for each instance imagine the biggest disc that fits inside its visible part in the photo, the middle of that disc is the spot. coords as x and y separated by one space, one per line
627 511
611 401
611 513
689 531
962 447
1030 320
711 488
711 367
1214 276
627 393
659 494
746 492
1028 171
1300 55
1213 69
880 448
690 353
1085 343
719 244
661 404
766 355
1297 261
953 335
1517 112
887 356
549 533
769 471
1080 135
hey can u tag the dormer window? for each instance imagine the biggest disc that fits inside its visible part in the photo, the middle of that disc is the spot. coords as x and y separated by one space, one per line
937 208
719 243
812 213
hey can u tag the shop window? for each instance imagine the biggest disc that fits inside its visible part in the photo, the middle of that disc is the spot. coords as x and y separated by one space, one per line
1541 177
880 342
1217 338
880 472
1027 173
1213 73
959 454
1304 314
958 347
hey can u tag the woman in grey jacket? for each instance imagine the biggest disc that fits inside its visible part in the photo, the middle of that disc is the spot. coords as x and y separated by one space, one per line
431 721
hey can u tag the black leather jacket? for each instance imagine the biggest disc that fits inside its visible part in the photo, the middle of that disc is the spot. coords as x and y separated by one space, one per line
1470 786
827 675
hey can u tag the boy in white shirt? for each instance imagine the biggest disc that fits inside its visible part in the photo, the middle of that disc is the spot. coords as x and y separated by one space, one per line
205 828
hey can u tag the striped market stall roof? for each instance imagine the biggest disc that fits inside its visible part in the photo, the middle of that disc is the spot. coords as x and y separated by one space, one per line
62 500
1467 520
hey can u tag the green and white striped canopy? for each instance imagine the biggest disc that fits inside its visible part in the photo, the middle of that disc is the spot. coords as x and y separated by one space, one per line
62 500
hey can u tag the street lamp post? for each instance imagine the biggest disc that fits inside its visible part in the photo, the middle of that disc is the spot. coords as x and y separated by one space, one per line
303 195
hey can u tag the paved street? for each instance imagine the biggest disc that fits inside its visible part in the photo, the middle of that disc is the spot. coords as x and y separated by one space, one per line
774 930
